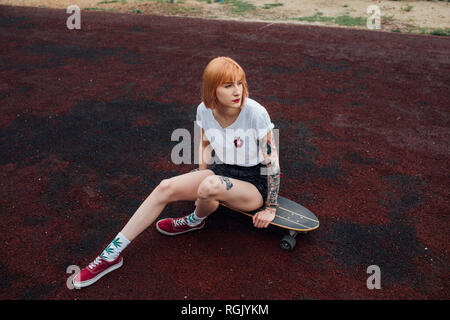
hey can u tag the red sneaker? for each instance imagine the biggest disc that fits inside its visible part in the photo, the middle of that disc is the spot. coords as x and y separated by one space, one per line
172 227
95 270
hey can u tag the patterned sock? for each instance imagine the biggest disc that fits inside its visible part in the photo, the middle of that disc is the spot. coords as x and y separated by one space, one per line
193 220
113 250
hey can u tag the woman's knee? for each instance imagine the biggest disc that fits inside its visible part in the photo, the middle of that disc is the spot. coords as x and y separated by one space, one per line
209 187
165 190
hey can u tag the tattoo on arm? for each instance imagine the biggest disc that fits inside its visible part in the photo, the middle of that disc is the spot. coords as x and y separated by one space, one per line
273 182
273 175
227 181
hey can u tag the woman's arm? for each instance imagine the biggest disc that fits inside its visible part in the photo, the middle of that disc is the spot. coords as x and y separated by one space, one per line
262 218
270 154
205 151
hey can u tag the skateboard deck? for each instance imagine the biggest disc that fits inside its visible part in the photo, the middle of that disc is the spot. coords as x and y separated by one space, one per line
292 216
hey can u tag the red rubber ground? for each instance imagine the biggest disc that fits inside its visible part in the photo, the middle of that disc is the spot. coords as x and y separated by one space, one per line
87 118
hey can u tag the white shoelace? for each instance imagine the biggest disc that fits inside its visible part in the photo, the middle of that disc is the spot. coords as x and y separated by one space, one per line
179 222
95 263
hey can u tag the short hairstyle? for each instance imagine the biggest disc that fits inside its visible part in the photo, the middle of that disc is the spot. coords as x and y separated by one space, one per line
221 70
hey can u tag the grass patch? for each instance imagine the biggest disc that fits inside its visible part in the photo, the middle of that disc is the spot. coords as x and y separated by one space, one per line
272 5
184 10
440 32
344 20
318 16
435 32
112 1
347 20
93 9
408 8
240 7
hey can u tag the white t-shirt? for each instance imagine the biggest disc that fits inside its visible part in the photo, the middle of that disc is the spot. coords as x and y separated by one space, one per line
237 144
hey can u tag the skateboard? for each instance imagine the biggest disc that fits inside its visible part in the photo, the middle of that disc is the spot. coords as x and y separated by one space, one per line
292 216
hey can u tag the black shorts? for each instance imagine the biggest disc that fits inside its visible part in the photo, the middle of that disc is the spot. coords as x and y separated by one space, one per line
248 174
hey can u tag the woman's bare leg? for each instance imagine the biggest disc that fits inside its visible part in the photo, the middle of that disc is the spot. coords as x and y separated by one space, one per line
238 194
182 187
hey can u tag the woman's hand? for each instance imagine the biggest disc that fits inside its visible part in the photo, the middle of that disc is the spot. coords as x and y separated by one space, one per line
262 218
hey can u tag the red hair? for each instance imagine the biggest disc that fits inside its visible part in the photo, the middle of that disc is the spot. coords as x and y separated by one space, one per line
221 70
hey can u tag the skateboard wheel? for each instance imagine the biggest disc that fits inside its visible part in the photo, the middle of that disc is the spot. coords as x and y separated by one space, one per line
287 243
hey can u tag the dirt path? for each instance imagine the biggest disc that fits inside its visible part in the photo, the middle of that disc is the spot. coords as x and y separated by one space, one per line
419 17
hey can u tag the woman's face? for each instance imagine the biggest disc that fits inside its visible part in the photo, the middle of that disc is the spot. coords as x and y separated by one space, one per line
229 94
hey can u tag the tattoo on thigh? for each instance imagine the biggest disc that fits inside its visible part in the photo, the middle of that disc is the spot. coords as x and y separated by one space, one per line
227 181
